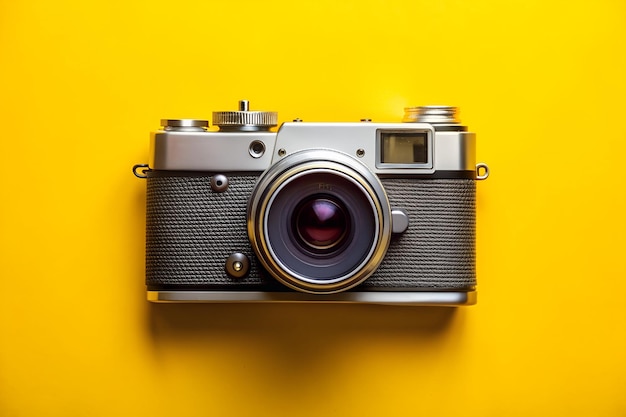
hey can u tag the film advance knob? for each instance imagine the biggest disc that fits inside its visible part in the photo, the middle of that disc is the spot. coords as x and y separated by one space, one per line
245 120
431 114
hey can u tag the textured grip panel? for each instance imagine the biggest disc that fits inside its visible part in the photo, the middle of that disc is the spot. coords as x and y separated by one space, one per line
438 249
192 230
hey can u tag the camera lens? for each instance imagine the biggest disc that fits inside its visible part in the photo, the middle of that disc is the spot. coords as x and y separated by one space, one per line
313 237
321 223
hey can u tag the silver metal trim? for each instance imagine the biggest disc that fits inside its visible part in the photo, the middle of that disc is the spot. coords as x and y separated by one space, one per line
452 151
209 151
230 151
415 298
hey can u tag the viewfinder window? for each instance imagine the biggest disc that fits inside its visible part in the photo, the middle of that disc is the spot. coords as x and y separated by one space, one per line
404 148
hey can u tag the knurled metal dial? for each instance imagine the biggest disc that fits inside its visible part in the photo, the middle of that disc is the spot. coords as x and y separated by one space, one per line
431 114
244 119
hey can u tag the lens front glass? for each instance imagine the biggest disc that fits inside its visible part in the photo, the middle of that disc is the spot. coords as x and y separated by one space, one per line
322 223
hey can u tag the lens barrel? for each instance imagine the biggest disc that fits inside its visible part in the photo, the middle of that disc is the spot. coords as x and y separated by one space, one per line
319 221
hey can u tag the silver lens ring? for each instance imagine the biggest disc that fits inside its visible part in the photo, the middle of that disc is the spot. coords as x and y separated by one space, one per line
323 174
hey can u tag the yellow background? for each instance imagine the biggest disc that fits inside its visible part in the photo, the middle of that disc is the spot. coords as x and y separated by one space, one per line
542 83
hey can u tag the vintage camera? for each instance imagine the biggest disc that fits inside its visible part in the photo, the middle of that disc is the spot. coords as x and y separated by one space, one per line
333 212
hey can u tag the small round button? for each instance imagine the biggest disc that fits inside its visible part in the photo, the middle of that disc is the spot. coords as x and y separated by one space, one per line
256 149
219 183
237 265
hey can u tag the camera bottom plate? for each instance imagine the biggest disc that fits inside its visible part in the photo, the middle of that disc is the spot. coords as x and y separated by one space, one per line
416 298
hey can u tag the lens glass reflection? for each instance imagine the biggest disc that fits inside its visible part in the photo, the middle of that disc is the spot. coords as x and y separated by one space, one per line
321 223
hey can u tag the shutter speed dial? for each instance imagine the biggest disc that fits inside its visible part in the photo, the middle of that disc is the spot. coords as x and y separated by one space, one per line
244 119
